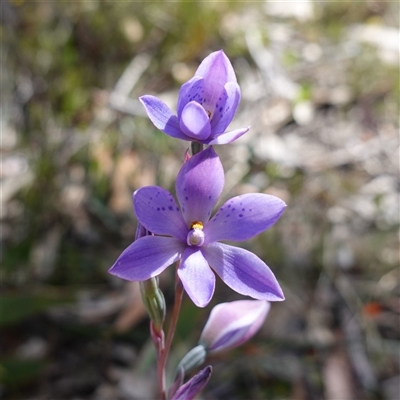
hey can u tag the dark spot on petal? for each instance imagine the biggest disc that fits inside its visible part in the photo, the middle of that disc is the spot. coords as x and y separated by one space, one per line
186 198
209 197
170 208
243 209
158 208
177 208
240 215
163 208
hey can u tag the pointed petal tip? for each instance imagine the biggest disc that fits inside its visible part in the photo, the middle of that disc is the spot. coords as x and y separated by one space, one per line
278 295
228 137
281 297
275 296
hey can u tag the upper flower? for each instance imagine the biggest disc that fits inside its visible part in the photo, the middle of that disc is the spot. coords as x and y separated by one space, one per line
189 235
206 104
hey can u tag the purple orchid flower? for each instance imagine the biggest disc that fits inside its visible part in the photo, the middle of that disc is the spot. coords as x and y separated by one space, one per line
231 324
206 104
191 236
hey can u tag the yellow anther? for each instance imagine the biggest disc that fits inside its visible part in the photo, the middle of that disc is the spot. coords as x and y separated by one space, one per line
196 225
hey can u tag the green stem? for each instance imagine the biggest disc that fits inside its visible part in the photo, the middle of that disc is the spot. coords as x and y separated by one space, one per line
196 147
171 331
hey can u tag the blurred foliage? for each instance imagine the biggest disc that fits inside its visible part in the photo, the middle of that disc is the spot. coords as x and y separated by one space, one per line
17 307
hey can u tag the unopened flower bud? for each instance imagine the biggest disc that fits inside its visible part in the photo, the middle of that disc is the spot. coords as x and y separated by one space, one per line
231 324
193 359
154 301
193 386
152 296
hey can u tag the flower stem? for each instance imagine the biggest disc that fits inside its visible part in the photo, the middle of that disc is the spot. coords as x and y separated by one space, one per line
196 147
163 353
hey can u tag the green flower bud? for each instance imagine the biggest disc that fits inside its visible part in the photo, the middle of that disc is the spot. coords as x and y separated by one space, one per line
193 359
154 301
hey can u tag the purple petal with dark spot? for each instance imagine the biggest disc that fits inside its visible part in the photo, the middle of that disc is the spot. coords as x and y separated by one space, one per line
217 70
147 257
243 272
162 117
196 276
158 212
192 90
243 217
194 121
199 185
226 107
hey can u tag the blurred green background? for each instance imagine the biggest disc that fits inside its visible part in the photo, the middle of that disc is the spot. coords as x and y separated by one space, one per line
320 89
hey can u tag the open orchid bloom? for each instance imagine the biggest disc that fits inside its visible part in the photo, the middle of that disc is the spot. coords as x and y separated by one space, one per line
191 388
231 324
188 233
207 104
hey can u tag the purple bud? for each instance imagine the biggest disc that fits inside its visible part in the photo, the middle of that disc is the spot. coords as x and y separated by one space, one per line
193 386
231 324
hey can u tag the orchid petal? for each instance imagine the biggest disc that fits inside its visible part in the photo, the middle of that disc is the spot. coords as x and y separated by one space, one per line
243 272
199 185
194 121
196 276
231 324
158 212
217 70
217 64
243 217
192 90
192 387
147 257
226 107
162 117
227 137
